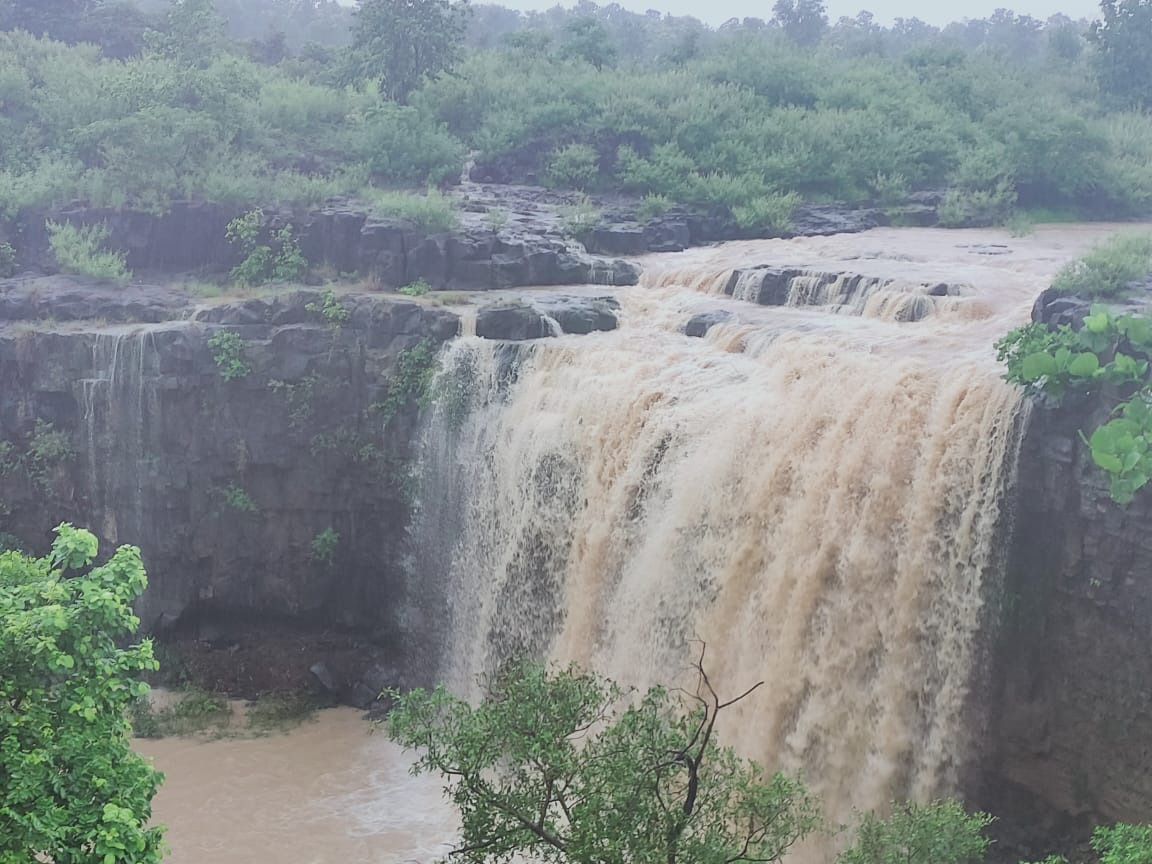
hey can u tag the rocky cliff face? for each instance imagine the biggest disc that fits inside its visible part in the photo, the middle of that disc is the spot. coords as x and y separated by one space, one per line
258 452
1072 705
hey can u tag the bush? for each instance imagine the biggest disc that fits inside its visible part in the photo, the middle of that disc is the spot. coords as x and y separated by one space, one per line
78 249
1109 269
8 266
579 218
282 261
415 289
1124 844
978 207
936 833
432 212
574 166
771 213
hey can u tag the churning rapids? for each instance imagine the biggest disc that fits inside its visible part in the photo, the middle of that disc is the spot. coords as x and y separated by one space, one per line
813 489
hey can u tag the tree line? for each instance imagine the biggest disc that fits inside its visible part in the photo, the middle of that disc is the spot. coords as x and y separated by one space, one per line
292 101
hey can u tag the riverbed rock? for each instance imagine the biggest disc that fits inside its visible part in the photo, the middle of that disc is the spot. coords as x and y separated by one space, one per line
699 325
579 315
511 321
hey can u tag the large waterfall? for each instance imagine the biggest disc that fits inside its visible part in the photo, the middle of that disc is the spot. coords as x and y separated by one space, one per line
817 497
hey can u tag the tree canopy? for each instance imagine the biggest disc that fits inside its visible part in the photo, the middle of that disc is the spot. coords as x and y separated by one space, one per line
562 766
402 43
71 789
1123 39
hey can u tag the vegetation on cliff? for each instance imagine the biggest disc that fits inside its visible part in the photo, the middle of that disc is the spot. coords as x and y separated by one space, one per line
71 790
1110 355
1006 111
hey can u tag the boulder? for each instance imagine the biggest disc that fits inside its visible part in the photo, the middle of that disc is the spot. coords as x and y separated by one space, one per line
512 321
699 325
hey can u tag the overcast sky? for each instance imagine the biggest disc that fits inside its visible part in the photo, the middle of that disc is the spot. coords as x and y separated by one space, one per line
933 11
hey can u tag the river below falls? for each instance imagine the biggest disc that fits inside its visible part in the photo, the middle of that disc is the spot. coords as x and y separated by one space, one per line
328 792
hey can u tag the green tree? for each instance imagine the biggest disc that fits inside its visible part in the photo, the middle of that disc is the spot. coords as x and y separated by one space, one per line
60 19
71 789
589 40
557 766
1123 40
936 833
193 33
803 21
402 43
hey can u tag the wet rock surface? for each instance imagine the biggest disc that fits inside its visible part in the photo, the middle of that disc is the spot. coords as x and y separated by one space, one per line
543 315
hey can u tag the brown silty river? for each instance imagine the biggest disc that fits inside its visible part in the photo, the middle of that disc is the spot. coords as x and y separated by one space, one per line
813 489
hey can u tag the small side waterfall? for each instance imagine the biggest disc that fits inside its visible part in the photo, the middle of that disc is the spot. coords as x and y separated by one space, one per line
120 413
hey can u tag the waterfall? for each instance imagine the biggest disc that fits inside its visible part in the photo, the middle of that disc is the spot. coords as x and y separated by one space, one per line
815 495
118 427
824 519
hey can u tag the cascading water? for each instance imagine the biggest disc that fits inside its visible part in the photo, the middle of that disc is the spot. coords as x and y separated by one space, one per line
815 497
118 429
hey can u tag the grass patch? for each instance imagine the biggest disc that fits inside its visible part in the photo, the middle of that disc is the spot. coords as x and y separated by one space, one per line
279 712
432 212
196 713
1107 271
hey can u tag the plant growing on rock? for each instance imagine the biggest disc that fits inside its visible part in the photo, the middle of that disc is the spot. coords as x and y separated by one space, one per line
7 260
1109 269
557 765
80 249
415 289
411 383
434 212
1111 354
73 792
228 354
236 498
282 261
324 545
1123 844
579 218
330 309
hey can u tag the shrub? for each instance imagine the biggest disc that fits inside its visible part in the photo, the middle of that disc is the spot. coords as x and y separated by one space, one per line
936 833
8 265
1109 269
497 218
324 546
330 309
771 212
281 262
432 212
579 218
575 166
78 249
1123 844
415 289
228 354
654 205
976 208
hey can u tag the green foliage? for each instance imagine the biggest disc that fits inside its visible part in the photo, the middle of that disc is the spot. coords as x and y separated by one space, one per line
433 212
236 498
324 546
497 218
1109 269
415 289
279 712
575 166
889 189
1123 844
1123 57
280 262
402 43
654 205
79 249
579 218
194 711
411 383
48 448
331 310
8 265
936 833
771 213
1108 351
556 765
228 354
299 396
977 207
73 790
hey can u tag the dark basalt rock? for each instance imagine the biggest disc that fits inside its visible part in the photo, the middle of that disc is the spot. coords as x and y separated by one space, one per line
512 321
579 315
699 325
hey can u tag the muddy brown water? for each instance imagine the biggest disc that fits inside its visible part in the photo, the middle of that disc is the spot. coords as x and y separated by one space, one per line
327 792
